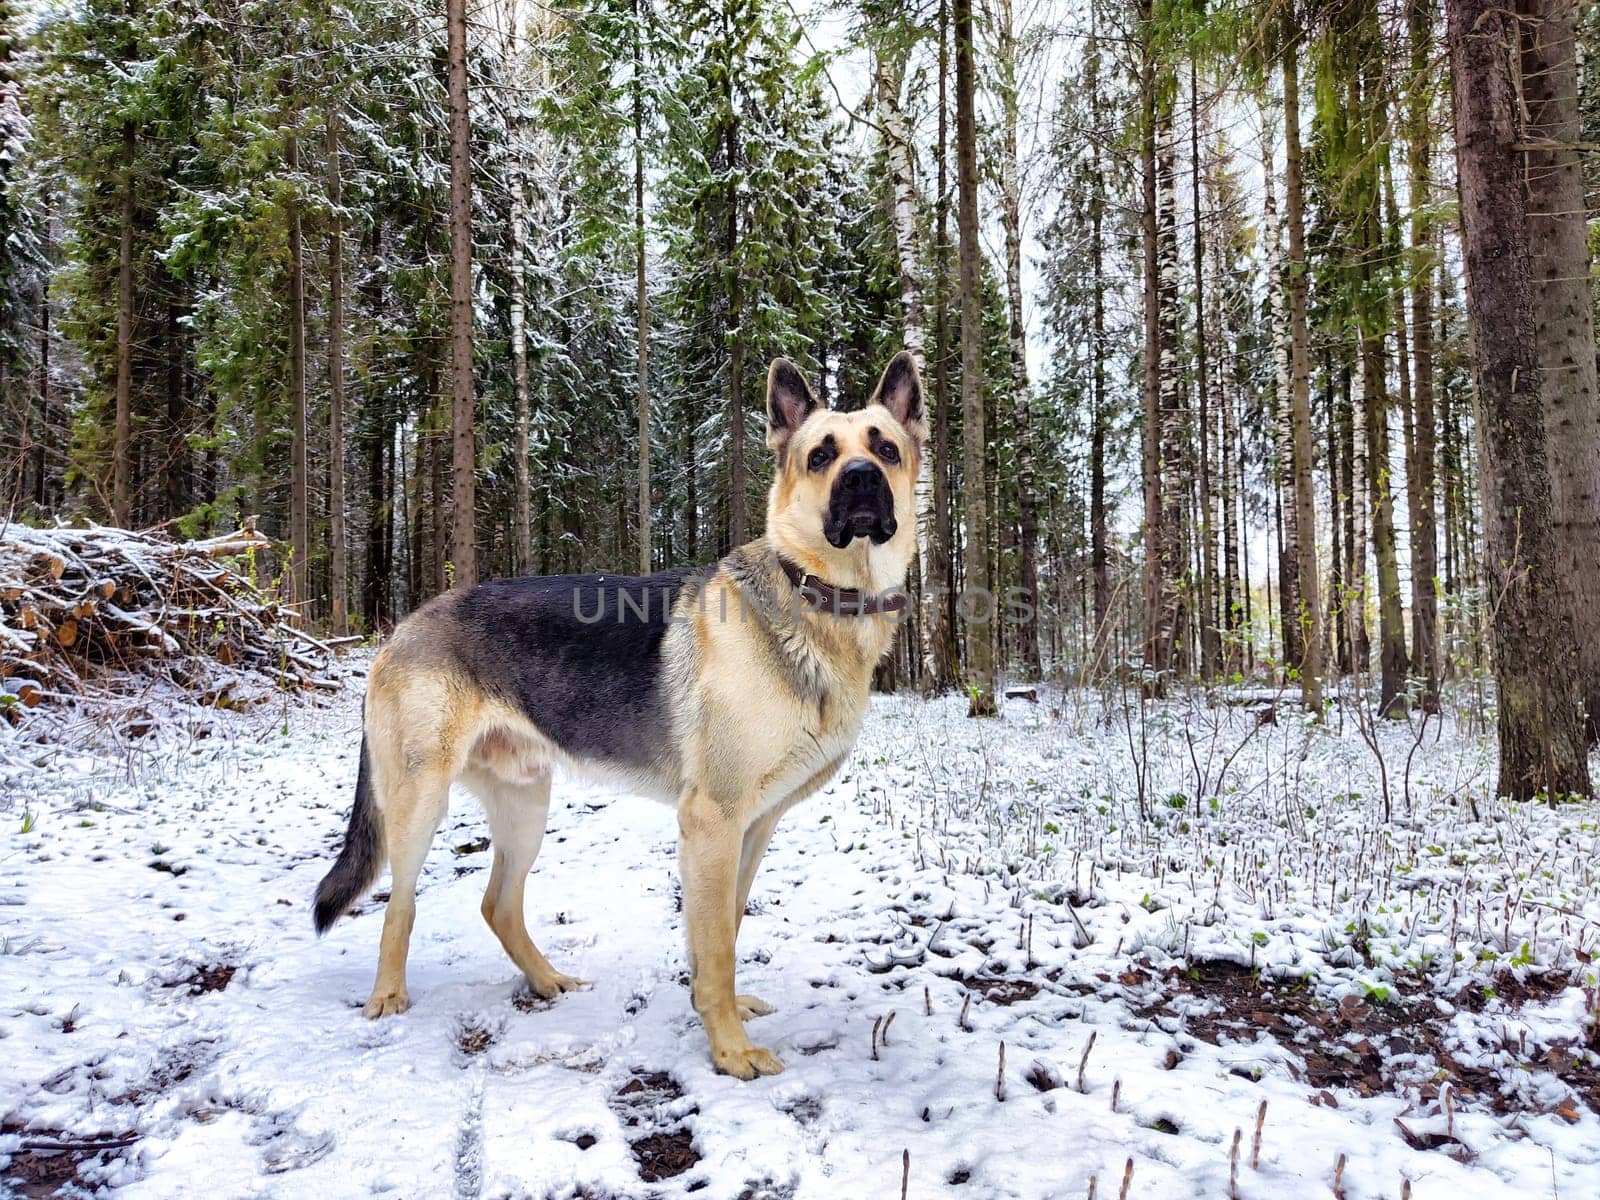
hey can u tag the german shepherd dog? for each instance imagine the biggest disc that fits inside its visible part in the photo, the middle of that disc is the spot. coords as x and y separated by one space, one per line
732 692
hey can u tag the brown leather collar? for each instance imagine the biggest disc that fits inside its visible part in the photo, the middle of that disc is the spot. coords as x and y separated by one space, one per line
821 596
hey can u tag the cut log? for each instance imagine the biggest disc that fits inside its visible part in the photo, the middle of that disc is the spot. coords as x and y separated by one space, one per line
110 607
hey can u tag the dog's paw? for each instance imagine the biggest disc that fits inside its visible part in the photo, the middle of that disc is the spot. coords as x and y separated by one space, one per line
548 987
746 1062
386 1002
751 1006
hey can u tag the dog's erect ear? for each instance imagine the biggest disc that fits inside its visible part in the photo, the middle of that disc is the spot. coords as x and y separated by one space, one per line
789 402
900 391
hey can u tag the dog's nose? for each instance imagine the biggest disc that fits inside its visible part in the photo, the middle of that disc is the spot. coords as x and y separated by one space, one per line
860 478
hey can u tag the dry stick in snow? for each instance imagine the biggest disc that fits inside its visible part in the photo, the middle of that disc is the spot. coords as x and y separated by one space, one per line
1116 1093
905 1172
1094 1182
1449 1099
876 1021
1000 1075
1255 1142
1405 1189
1233 1167
962 1019
1083 1062
1338 1179
927 1003
1127 1179
883 1038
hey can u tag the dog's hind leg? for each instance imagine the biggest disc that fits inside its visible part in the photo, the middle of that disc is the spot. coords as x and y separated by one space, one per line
412 809
517 815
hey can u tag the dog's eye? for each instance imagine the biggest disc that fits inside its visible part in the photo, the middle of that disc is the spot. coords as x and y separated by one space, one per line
889 452
819 458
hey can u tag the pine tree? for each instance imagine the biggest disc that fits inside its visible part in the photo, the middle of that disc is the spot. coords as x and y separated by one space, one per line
1543 743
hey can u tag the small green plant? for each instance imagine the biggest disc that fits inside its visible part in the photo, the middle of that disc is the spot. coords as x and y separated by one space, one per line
28 820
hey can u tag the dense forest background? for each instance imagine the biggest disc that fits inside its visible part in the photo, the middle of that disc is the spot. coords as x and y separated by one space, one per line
446 290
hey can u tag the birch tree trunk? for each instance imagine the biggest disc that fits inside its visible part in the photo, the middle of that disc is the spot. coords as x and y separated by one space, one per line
903 203
1175 461
517 289
1282 415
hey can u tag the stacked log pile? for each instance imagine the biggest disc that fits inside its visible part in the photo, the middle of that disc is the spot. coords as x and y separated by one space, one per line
102 611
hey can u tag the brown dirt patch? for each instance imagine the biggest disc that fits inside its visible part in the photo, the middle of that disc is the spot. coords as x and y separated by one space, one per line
48 1160
1371 1046
664 1147
209 979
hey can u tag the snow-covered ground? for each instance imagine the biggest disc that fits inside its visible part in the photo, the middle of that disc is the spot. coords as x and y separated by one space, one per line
1063 981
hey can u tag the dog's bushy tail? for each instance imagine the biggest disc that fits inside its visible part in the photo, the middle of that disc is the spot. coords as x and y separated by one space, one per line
361 857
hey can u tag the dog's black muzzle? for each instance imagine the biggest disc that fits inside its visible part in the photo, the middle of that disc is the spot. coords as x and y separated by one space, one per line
861 506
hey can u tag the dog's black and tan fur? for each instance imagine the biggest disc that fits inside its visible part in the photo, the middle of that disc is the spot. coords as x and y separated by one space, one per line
718 690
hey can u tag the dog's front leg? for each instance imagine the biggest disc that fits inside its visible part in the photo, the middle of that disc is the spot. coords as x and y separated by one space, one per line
710 840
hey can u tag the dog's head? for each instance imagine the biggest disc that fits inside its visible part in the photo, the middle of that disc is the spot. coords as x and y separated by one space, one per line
845 481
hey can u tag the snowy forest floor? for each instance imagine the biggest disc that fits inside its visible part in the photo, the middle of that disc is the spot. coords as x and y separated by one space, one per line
1064 980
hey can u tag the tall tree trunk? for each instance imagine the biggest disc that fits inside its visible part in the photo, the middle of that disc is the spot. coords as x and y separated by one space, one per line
1338 509
176 472
45 390
1099 556
1424 528
1391 617
1204 527
641 298
521 389
1156 645
122 435
1228 456
438 425
1027 631
936 600
1373 314
375 570
1301 453
338 548
737 524
299 502
1289 600
1564 316
980 633
1543 741
463 406
1176 461
903 204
